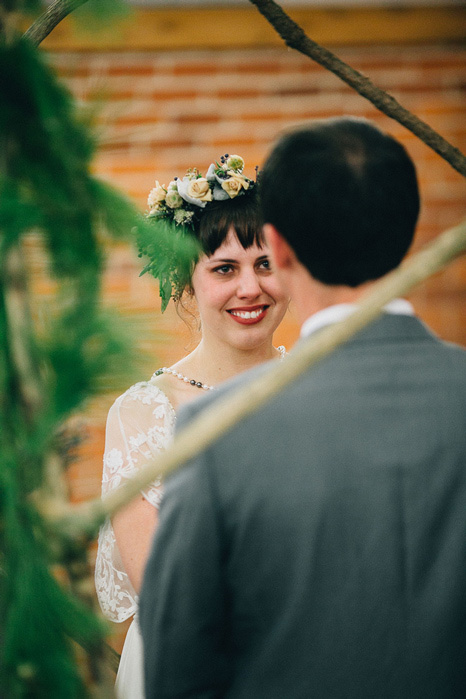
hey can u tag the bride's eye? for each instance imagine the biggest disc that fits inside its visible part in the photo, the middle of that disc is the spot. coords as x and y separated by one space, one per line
265 264
223 269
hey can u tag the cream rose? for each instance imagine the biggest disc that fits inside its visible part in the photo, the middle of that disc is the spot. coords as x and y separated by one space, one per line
199 189
234 184
156 196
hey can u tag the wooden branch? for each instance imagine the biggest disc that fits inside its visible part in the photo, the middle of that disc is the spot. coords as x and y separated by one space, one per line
220 417
54 14
295 38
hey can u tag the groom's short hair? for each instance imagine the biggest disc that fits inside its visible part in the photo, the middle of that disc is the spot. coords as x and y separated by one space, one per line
345 197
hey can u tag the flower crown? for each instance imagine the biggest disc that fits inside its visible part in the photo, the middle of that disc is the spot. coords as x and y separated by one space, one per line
174 212
183 198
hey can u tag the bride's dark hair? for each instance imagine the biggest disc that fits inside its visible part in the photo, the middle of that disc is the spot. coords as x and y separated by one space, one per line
241 213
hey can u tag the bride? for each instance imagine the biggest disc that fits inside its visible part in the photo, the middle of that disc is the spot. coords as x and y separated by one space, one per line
240 304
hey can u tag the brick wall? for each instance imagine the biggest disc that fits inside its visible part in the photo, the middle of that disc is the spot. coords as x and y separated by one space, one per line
162 112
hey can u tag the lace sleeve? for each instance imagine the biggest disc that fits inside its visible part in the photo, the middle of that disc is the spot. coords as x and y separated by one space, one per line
140 423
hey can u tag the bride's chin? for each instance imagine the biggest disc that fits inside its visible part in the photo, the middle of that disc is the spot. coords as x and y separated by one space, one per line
252 343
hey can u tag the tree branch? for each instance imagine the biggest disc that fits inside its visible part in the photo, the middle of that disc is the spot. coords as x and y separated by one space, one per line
54 14
219 418
295 38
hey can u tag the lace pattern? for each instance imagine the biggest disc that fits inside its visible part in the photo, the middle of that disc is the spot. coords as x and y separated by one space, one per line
140 423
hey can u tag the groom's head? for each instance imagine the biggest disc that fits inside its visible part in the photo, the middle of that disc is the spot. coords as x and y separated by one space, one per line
344 195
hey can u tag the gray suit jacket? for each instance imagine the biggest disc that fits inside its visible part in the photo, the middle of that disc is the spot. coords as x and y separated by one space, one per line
318 550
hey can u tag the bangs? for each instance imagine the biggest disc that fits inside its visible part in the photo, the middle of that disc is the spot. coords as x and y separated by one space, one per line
241 213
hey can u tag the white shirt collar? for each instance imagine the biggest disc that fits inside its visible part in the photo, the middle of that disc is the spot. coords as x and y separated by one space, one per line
340 311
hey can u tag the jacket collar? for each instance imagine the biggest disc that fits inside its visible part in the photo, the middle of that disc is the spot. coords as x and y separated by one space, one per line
334 314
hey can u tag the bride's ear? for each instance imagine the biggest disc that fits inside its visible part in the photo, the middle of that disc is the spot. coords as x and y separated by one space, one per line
281 252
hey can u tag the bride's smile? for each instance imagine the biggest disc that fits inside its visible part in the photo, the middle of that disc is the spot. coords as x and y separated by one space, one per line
248 315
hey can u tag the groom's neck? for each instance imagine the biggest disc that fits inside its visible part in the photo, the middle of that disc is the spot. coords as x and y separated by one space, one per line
310 296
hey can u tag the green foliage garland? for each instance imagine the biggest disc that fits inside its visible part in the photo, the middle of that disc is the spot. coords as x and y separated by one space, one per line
47 368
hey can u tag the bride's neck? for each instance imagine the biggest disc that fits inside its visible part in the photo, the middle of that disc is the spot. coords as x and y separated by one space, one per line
215 364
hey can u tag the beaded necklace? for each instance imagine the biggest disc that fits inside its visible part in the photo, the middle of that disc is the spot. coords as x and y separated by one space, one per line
199 384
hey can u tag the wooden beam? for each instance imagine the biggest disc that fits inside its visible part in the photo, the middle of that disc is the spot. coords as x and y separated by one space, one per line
243 27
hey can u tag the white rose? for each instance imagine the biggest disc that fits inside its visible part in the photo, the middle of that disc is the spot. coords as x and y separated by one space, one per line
173 186
234 184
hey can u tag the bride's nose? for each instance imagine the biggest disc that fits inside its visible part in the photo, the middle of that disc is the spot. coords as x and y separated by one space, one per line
248 284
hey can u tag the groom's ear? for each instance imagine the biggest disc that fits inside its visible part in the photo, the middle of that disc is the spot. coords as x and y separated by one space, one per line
282 253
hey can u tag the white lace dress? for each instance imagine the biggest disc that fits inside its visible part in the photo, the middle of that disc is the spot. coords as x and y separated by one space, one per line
140 423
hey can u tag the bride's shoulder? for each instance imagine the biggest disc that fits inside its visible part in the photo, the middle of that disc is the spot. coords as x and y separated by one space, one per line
142 394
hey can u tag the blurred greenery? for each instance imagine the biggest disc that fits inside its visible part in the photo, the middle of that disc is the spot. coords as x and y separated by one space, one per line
49 366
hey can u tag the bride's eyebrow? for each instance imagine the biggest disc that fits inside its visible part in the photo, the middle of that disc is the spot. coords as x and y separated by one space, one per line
222 260
232 261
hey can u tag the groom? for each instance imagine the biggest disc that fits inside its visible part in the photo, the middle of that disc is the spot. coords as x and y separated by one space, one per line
318 550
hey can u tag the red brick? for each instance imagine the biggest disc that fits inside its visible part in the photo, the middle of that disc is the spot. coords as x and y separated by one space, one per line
130 70
195 68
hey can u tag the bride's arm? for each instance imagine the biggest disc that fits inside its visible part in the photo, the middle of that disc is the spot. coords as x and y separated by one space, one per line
134 528
139 424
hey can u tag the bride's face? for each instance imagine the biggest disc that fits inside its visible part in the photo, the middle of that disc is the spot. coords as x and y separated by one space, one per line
239 298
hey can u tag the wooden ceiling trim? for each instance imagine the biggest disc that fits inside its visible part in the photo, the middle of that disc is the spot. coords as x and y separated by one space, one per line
243 27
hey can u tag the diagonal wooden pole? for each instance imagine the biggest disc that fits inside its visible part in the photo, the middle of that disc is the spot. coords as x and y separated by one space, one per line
219 418
295 38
